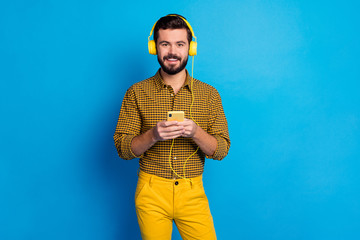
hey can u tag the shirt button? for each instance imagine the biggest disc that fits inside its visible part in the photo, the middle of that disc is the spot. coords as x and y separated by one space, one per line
176 183
172 94
174 158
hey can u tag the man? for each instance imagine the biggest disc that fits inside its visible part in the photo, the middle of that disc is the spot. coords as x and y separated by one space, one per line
172 153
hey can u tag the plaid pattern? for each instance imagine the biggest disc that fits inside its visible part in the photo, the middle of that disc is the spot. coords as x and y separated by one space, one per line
147 102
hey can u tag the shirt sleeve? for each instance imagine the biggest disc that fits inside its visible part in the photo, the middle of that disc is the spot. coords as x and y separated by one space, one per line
218 127
128 125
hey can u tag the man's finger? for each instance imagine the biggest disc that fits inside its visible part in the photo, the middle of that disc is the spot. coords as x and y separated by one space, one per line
172 129
169 123
172 135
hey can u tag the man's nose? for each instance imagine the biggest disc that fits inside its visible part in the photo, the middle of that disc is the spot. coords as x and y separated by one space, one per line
171 49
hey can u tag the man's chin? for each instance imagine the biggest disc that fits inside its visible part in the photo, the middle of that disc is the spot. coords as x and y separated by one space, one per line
172 71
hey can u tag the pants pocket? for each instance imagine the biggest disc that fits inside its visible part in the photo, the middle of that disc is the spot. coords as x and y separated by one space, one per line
139 188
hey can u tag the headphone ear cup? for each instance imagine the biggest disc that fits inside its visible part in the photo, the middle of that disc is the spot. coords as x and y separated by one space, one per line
152 47
193 48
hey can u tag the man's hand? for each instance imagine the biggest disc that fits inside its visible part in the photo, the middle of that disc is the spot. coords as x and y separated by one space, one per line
205 141
190 128
165 130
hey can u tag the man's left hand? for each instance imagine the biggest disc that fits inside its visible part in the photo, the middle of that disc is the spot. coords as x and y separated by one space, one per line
189 126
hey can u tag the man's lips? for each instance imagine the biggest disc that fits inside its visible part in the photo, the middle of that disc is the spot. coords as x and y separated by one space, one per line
172 60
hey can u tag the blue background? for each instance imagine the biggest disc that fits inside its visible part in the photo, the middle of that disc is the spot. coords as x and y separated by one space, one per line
288 73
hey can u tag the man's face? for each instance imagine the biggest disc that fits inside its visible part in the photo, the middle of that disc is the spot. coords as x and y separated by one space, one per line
172 50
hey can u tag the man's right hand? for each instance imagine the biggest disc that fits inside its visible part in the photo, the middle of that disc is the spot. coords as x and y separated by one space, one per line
165 130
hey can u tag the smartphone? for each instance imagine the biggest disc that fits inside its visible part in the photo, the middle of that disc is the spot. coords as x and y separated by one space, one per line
175 116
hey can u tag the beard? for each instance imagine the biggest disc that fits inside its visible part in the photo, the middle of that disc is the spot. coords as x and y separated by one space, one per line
172 70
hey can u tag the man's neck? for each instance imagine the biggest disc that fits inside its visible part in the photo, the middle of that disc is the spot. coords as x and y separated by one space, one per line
176 81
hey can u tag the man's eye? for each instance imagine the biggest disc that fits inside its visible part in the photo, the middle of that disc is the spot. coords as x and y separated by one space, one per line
180 44
164 44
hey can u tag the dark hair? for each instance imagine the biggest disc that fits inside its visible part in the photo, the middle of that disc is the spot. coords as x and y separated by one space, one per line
171 21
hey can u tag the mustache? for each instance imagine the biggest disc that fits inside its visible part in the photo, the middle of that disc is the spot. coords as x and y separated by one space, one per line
171 56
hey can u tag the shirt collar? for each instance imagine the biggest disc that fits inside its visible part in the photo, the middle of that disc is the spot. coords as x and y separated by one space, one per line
160 84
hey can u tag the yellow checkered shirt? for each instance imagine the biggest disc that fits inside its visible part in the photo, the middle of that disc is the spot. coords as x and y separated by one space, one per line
147 102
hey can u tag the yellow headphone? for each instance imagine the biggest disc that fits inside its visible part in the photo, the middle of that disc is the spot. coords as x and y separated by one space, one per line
193 44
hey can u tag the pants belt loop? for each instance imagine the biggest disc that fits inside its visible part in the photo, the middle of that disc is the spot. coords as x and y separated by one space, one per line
150 181
191 183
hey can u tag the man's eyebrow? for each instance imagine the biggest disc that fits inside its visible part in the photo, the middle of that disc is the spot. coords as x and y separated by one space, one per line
169 42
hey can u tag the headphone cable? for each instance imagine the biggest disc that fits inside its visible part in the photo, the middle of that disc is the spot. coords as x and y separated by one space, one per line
172 144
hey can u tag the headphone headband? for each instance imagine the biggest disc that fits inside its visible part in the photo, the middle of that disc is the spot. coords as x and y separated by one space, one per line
182 18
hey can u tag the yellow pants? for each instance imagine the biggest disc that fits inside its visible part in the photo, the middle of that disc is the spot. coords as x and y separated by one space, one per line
161 201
